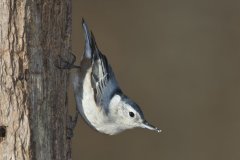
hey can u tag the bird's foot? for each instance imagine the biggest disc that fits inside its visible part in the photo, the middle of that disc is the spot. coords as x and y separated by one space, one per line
71 125
61 63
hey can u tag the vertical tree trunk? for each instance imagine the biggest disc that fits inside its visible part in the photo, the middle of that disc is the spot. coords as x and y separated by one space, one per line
33 103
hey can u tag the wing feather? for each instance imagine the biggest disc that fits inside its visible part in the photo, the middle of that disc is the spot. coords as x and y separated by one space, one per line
103 80
102 77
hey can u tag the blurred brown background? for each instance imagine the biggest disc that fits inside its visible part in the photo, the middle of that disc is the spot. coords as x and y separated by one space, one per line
180 61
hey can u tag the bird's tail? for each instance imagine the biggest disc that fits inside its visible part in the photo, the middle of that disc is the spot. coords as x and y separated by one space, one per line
90 44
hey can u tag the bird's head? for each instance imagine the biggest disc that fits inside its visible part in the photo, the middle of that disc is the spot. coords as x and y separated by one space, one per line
126 114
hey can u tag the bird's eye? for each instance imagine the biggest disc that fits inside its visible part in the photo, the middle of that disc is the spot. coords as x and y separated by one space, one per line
131 114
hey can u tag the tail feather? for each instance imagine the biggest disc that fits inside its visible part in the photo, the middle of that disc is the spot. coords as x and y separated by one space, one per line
96 52
88 41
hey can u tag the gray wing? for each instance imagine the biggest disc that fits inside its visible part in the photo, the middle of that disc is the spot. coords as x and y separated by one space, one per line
103 80
102 77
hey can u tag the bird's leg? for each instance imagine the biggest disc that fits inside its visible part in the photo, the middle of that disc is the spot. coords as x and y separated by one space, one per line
71 125
64 64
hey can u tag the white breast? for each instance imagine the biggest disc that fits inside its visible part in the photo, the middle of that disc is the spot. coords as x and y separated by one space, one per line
92 113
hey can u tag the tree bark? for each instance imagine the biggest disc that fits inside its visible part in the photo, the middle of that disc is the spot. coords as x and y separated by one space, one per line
33 92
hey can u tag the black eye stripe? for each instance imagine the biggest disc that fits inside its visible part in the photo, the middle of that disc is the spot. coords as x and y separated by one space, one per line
131 114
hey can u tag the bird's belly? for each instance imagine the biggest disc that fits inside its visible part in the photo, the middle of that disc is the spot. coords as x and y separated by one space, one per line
89 110
94 115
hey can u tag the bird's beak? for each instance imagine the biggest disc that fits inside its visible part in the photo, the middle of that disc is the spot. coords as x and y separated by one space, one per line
146 125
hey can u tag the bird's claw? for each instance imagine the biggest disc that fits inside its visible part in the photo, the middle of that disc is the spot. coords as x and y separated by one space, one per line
61 63
71 125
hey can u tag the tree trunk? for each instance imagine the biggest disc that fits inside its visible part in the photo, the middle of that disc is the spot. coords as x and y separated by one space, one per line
33 92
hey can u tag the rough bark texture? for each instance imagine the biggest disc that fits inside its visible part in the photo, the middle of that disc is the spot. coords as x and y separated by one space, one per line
33 91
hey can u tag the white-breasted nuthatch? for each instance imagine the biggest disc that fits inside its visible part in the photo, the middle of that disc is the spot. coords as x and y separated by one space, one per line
99 98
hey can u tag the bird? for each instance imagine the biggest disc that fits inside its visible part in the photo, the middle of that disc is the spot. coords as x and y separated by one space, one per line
99 98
